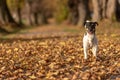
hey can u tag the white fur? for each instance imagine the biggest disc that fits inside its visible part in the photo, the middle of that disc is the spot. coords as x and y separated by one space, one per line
90 40
87 21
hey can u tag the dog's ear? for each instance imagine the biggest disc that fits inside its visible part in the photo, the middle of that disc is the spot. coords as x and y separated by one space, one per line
96 23
84 24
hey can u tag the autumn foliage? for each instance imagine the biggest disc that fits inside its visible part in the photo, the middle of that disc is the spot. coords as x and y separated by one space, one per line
60 58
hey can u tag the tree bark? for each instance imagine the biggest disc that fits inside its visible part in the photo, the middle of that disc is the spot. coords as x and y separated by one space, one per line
83 12
73 11
1 15
5 13
111 8
103 8
19 12
118 10
37 14
96 10
30 12
36 18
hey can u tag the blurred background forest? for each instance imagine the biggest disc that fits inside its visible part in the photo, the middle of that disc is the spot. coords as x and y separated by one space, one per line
38 12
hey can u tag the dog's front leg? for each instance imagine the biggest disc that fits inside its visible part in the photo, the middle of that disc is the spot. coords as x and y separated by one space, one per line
85 47
94 50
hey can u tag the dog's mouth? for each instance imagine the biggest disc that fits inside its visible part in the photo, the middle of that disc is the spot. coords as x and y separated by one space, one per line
91 32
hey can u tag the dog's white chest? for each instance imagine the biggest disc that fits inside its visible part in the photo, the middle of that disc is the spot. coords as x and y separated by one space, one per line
89 40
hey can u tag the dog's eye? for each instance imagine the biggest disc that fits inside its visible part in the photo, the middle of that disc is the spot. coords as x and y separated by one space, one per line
93 29
87 29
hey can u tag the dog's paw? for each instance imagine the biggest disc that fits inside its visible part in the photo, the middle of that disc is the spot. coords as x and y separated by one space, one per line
85 60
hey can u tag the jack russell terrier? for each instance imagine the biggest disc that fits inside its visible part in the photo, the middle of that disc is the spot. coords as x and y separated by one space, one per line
89 39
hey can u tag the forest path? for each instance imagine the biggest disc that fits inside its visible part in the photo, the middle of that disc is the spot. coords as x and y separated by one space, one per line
46 31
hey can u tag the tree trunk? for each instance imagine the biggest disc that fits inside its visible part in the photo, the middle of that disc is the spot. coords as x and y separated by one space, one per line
118 10
44 18
83 11
5 13
103 8
111 8
19 15
30 16
36 18
19 12
5 17
29 7
73 11
1 15
96 10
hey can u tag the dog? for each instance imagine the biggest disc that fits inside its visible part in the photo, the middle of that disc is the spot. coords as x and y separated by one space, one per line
90 39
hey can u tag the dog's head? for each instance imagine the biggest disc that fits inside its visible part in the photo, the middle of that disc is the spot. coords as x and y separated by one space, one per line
90 26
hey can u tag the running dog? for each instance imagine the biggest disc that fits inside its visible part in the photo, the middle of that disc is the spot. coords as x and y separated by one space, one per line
89 39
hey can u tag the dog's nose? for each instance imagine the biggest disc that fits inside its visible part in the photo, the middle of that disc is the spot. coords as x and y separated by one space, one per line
91 30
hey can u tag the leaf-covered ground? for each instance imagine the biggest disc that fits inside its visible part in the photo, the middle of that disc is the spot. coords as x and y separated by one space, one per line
60 58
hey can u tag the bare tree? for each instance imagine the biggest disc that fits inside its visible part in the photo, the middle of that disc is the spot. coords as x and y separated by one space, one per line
96 10
5 13
37 12
79 11
103 8
5 17
111 8
118 10
19 11
83 11
73 11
